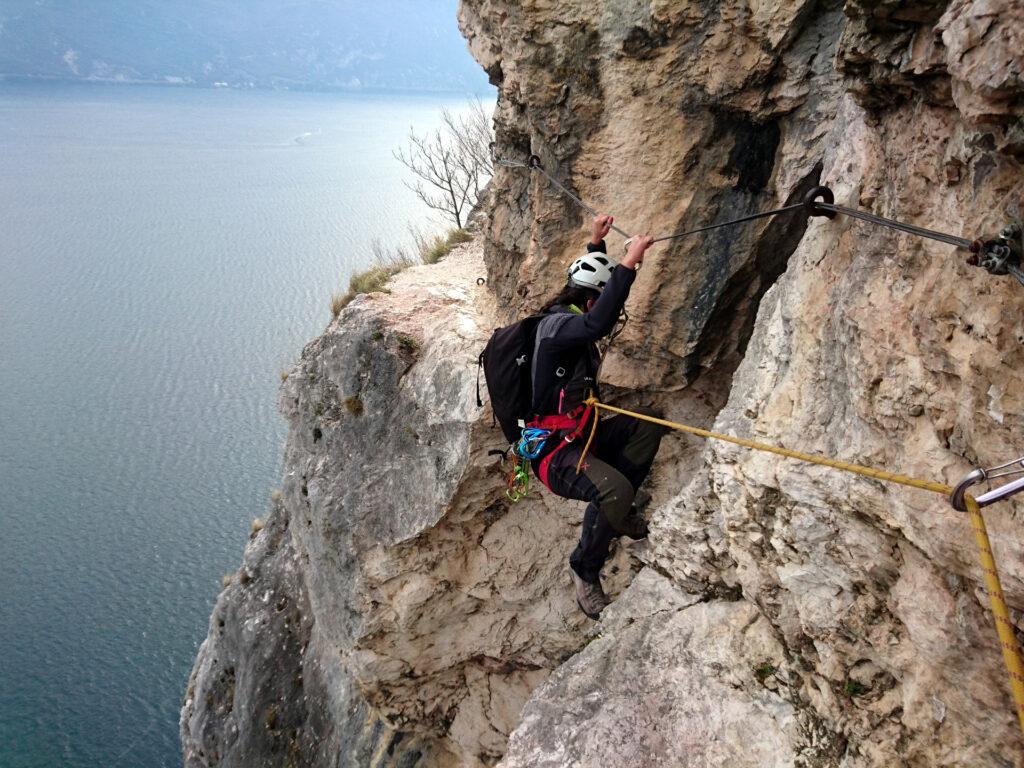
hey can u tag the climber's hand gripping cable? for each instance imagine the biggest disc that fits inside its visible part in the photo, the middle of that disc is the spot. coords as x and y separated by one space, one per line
600 229
999 256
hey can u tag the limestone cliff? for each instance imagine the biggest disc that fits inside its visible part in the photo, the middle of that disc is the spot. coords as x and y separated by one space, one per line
396 610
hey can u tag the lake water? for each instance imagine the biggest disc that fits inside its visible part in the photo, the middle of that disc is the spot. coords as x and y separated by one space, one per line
164 255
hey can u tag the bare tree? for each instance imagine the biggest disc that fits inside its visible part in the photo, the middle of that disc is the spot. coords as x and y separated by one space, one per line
451 166
474 135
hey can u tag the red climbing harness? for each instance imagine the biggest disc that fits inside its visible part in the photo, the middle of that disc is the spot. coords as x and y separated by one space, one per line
575 420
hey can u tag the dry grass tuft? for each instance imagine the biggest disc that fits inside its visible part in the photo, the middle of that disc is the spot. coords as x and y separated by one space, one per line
387 264
407 343
433 249
373 280
339 301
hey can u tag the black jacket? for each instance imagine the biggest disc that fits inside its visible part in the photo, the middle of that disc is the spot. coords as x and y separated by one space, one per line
566 359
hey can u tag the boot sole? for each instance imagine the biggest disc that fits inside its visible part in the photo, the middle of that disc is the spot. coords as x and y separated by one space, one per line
593 616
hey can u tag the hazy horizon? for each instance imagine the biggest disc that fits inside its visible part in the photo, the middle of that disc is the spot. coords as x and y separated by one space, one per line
347 45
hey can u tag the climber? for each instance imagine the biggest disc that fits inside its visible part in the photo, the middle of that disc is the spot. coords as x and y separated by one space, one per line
565 365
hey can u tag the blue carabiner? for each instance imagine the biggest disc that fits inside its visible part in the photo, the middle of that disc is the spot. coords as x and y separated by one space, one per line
531 443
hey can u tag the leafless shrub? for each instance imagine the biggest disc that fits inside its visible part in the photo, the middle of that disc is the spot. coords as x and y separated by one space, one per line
452 166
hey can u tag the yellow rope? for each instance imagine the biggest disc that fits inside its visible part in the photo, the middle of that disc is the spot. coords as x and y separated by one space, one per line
1000 613
1004 627
590 439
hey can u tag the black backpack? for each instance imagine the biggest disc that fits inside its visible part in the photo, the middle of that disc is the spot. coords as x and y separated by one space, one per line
507 361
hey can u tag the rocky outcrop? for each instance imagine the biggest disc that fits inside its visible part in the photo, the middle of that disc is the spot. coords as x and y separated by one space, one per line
380 422
396 610
780 614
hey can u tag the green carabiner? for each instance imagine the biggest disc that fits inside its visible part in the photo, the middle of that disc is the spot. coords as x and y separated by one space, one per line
518 481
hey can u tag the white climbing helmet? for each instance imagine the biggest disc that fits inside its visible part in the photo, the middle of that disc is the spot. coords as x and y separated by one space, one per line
591 271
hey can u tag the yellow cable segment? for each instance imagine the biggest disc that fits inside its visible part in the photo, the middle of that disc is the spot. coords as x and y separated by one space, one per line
1000 613
1004 628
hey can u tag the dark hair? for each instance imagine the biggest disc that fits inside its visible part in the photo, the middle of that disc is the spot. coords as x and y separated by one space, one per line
572 294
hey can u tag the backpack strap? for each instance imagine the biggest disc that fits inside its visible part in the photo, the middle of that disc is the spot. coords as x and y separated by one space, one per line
547 327
479 365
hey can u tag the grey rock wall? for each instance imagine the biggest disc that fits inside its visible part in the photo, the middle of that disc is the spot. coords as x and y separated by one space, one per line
840 339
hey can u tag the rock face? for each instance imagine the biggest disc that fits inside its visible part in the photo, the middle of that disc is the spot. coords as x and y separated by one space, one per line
780 614
665 659
396 610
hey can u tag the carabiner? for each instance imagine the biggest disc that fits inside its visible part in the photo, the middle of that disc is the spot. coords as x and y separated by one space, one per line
957 500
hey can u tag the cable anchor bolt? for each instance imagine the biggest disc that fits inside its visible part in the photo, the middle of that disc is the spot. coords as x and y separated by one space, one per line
1001 255
812 203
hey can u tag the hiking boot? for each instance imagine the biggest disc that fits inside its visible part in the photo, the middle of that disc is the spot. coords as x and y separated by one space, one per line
634 526
589 597
640 501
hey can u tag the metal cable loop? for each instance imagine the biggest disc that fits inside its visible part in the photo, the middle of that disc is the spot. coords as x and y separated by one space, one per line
910 229
1018 275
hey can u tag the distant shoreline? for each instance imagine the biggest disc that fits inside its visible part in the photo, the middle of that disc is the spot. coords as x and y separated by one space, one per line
240 87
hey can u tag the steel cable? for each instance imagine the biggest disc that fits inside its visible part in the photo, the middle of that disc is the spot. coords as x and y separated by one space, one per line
578 202
942 237
753 216
911 229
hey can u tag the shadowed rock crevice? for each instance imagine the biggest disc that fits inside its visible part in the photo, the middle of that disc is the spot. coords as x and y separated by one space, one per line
750 161
724 338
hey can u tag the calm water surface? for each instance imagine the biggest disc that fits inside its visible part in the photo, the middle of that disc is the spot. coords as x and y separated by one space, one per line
164 254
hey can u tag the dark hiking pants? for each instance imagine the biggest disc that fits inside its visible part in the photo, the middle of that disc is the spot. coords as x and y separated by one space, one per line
617 463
